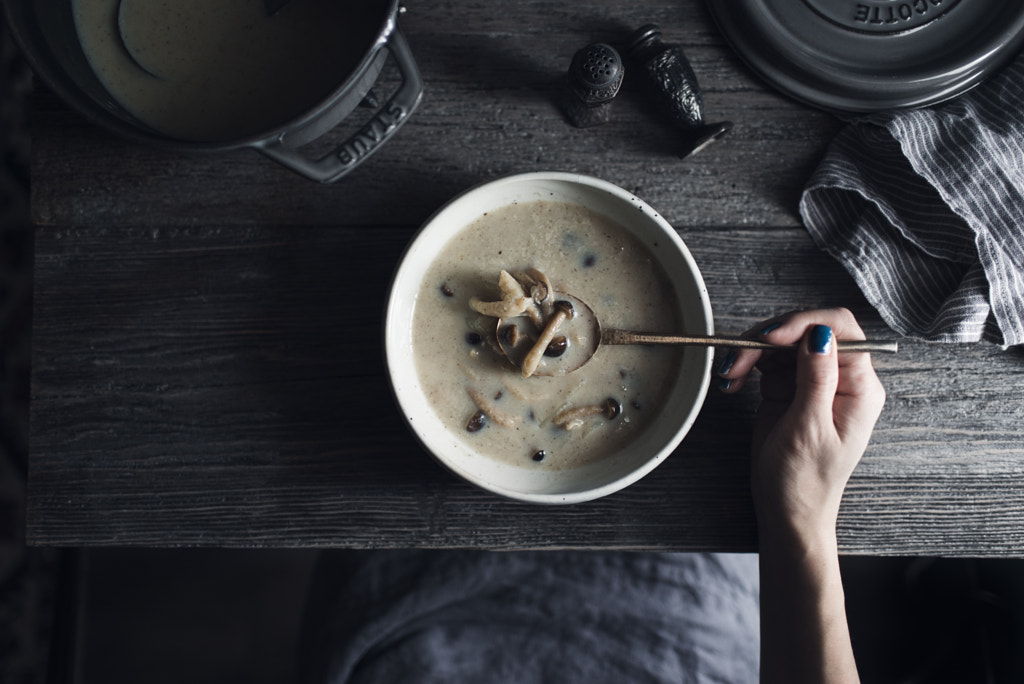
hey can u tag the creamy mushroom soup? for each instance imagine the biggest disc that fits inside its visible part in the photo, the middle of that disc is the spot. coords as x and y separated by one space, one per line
211 70
544 422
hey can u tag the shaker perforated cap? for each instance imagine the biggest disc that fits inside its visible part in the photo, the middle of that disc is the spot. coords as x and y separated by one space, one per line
872 55
595 73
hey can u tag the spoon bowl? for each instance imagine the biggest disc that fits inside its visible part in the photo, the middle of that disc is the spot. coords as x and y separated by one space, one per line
581 334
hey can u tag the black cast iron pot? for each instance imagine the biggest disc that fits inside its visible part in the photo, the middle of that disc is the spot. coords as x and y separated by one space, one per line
45 31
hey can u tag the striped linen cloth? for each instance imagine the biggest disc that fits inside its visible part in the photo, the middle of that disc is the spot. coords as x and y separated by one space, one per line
925 208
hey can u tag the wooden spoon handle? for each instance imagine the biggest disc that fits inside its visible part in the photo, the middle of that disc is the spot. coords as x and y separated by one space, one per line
612 336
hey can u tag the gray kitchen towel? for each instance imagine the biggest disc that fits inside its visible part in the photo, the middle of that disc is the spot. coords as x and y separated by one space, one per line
535 616
925 208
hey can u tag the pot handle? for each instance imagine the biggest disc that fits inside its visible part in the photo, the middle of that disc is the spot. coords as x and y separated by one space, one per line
352 152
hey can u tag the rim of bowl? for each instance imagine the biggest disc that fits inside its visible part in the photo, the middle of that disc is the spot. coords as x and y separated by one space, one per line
429 239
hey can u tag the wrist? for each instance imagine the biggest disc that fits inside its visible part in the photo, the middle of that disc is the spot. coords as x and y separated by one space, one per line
804 635
797 538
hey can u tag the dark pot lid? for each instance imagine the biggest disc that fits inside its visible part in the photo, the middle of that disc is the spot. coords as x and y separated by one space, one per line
872 55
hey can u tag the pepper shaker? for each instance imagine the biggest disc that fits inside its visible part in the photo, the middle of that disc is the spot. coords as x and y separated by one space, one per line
595 75
666 74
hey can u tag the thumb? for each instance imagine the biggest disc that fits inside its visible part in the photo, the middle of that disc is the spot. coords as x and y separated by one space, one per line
817 374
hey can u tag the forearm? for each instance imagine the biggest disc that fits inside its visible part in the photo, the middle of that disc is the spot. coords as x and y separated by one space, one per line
804 634
812 428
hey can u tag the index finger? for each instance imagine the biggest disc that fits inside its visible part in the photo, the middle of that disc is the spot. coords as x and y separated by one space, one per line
793 326
788 329
858 382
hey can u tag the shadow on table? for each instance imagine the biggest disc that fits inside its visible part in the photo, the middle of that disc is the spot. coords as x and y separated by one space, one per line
931 620
234 615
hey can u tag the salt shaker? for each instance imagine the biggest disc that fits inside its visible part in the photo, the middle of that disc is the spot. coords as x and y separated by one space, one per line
666 74
595 75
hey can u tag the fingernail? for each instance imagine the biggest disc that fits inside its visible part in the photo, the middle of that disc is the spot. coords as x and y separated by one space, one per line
727 362
820 341
724 384
769 328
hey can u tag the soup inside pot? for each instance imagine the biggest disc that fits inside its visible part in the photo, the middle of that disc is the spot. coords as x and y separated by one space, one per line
207 71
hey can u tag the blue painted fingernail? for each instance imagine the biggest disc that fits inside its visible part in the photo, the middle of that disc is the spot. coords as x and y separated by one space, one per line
769 328
820 341
727 362
724 384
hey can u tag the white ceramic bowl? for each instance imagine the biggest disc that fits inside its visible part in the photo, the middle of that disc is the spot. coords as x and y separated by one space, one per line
618 470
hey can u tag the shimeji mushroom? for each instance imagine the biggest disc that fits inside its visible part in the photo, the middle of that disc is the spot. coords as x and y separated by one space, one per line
540 291
487 407
563 312
558 346
573 417
512 303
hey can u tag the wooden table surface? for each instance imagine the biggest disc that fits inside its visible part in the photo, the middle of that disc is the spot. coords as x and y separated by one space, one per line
207 365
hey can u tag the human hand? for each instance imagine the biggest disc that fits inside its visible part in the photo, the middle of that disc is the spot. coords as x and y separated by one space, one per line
817 413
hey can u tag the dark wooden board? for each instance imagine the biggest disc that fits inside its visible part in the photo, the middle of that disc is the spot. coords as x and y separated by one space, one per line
224 386
206 354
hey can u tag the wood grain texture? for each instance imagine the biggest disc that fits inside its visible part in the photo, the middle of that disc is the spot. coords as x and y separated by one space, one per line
207 366
224 386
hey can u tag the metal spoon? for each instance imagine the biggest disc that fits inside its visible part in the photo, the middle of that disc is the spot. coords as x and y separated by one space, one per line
584 336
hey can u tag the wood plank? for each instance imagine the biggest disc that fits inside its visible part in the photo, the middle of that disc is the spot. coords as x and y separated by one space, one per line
492 82
183 394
